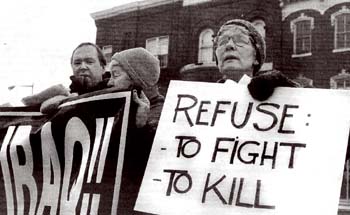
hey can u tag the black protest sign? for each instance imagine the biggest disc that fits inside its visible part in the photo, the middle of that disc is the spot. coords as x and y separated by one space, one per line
69 163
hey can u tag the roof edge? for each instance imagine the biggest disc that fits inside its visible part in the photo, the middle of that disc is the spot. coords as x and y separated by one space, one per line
130 7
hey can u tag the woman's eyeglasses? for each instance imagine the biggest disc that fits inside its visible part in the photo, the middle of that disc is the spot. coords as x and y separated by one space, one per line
238 40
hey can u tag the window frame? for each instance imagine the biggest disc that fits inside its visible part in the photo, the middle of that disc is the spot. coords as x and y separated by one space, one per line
158 54
260 22
202 46
293 27
108 55
334 18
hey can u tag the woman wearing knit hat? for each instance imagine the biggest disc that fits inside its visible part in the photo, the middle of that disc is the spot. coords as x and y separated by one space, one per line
240 50
138 69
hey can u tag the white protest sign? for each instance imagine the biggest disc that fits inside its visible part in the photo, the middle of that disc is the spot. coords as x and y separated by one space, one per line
219 151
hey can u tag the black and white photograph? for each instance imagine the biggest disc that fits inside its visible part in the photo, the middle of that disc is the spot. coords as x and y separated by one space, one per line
175 107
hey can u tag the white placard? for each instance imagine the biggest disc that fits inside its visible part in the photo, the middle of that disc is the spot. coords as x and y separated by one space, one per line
219 151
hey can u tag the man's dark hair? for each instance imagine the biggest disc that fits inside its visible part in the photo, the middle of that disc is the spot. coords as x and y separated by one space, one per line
100 54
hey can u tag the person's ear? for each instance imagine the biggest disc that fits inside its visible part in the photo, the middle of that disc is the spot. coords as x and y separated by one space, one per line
255 63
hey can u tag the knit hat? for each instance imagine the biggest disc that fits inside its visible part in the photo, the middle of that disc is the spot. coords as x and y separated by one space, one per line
142 67
257 39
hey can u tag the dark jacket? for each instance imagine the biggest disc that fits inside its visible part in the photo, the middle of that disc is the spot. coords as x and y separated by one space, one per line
137 153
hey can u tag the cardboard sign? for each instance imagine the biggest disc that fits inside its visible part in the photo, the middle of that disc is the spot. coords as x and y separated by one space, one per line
69 164
219 151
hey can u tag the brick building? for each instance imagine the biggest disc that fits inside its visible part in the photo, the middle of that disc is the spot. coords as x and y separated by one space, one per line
179 32
316 40
309 40
316 46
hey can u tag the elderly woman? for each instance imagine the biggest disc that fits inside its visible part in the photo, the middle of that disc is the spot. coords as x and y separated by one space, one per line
240 49
138 69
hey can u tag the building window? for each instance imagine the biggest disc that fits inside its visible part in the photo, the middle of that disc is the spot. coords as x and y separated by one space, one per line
159 47
341 80
341 22
205 52
260 25
303 81
301 28
107 51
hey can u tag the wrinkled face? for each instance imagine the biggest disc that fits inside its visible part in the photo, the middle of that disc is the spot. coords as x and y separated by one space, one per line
119 78
86 66
235 52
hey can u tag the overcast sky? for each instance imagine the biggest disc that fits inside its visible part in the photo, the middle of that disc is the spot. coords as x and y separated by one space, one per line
37 38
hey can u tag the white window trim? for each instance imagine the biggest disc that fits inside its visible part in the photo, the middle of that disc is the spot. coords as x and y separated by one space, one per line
157 39
343 10
341 50
301 55
262 23
302 17
193 2
200 47
259 21
109 48
157 42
